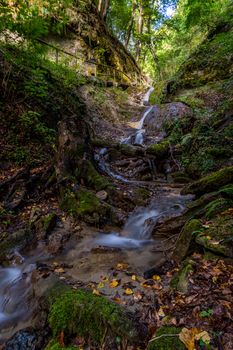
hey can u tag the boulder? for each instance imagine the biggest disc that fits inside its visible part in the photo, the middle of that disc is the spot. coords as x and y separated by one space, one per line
210 182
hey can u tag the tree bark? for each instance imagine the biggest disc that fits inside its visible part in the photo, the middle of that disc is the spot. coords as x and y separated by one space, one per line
130 28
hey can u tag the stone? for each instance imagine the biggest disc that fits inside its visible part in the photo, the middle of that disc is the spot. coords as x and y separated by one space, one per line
103 195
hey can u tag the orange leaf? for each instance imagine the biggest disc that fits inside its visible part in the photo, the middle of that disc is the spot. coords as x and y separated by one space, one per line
128 291
187 336
114 283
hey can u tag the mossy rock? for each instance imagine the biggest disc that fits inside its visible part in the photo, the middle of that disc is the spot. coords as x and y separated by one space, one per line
180 177
196 209
9 242
218 237
167 342
85 205
90 176
217 206
159 150
179 281
211 182
80 313
45 224
185 238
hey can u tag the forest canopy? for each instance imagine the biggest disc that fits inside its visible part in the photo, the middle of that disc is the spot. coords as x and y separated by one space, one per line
159 34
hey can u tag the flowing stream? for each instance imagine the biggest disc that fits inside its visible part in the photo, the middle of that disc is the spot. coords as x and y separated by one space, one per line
132 244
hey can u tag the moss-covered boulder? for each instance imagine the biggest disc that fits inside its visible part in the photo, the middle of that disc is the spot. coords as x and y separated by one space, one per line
159 150
90 176
167 339
184 240
218 236
80 313
180 280
85 205
211 182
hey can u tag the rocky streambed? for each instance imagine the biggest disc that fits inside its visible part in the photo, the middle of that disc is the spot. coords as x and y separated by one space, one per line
122 262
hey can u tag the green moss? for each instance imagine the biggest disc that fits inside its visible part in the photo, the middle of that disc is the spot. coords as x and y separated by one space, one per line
217 206
211 182
227 191
142 193
85 205
169 342
180 279
91 177
48 222
184 241
218 237
159 150
83 314
54 345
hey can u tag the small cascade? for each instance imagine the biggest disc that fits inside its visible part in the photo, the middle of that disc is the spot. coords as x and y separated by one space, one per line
139 226
147 96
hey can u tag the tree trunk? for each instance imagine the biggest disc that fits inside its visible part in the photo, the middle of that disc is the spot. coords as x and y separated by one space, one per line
140 31
103 7
130 28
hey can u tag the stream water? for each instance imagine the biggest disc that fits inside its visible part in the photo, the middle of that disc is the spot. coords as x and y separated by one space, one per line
133 244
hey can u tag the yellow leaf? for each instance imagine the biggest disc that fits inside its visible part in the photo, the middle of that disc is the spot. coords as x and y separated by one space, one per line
161 313
156 278
122 266
100 285
134 277
114 283
95 292
204 336
59 270
128 291
187 336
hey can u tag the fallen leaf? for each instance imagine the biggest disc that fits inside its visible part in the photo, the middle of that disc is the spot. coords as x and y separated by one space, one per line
114 283
95 292
187 336
137 296
122 266
128 291
161 312
101 285
204 336
59 270
134 277
156 278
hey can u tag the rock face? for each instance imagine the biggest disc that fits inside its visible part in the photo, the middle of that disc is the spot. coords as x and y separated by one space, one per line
167 112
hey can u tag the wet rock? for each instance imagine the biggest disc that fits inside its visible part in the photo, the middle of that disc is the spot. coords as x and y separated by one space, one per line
10 241
103 250
26 339
168 112
102 195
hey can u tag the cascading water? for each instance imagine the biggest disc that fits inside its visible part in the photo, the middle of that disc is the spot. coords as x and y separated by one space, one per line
138 228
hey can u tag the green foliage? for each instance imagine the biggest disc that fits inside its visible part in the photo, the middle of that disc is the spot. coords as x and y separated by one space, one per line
54 345
206 313
34 127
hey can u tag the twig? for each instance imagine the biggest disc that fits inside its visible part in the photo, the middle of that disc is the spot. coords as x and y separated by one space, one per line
162 336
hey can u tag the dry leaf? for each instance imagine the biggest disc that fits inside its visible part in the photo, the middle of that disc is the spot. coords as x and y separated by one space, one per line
204 336
134 277
95 292
187 336
114 283
128 291
156 278
59 270
100 285
122 266
161 312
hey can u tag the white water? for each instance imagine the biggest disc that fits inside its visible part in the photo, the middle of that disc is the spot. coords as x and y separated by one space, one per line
147 95
139 226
